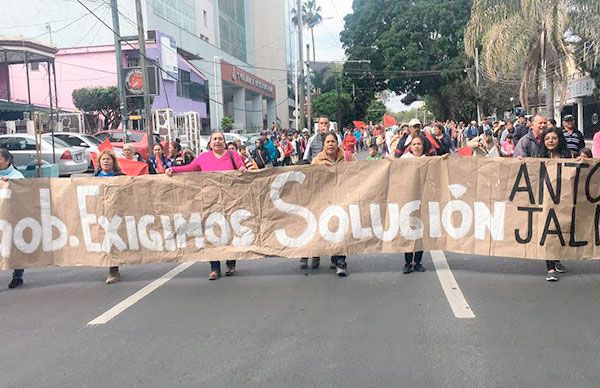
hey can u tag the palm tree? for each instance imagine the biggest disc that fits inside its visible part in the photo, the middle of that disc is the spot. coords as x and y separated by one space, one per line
523 40
311 17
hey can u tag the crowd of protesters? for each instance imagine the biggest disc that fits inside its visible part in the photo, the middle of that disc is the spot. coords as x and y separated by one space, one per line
531 136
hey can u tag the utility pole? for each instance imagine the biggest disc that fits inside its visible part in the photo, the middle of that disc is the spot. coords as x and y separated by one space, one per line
301 61
308 92
142 43
477 84
117 35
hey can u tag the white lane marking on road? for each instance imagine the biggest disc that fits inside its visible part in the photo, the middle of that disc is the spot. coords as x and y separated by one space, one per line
133 299
455 297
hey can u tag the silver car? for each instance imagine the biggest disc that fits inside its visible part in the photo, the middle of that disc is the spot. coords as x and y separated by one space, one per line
88 142
22 146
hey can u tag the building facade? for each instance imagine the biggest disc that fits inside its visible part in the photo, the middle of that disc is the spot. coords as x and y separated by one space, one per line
209 42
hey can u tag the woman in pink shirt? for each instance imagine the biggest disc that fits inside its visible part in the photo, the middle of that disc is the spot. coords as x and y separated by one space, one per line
508 147
217 158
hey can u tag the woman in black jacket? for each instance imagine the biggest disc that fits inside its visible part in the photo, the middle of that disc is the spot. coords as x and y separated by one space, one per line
553 146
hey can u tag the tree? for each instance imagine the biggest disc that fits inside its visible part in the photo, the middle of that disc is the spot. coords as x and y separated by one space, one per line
227 123
335 106
311 17
525 40
99 100
585 28
375 111
415 46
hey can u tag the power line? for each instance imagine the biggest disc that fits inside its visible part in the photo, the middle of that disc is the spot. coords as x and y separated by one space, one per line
159 67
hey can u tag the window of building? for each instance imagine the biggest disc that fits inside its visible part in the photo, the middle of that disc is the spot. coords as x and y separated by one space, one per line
133 62
186 88
232 27
205 17
179 12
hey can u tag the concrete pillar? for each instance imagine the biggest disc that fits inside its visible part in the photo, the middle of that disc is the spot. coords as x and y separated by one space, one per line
272 113
239 109
215 90
580 115
257 112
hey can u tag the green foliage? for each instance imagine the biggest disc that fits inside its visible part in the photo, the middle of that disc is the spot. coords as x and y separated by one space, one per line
403 36
375 111
99 100
336 107
227 123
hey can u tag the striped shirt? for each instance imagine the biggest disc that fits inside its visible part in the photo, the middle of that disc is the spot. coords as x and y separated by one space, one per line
575 141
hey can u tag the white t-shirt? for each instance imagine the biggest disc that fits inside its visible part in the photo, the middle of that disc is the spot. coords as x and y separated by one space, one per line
410 155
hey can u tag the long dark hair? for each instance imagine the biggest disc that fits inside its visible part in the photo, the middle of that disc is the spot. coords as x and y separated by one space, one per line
6 155
426 144
561 149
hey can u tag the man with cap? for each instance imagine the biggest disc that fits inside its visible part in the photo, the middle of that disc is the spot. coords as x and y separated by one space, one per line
574 138
487 124
521 128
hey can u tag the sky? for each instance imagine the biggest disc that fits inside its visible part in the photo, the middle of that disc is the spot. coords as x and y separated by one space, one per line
328 45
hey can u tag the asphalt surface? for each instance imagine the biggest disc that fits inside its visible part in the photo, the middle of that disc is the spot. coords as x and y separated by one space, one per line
276 325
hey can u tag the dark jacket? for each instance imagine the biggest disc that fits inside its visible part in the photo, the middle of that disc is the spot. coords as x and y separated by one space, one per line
527 146
519 132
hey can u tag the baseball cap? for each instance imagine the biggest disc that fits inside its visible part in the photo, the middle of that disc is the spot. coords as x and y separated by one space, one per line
414 122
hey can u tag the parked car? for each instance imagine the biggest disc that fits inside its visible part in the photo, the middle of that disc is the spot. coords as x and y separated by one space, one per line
88 142
230 137
139 139
204 143
70 160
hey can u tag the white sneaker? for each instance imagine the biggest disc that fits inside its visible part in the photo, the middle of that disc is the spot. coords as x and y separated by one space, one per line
552 276
341 272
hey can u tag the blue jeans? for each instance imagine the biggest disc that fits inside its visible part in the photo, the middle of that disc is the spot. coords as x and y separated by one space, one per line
18 274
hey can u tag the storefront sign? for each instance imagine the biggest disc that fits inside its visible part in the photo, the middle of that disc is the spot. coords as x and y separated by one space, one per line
168 50
134 81
580 87
237 76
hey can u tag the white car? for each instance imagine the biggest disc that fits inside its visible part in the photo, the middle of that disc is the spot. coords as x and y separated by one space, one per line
22 146
88 142
230 137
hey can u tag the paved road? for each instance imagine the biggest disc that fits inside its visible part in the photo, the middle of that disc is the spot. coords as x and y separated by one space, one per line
276 325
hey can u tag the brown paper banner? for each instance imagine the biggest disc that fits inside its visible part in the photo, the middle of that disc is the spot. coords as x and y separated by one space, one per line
535 209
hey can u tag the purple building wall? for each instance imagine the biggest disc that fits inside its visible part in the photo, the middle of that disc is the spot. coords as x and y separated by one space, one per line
95 66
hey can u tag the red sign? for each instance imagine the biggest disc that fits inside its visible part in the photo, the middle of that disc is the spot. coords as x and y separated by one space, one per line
235 75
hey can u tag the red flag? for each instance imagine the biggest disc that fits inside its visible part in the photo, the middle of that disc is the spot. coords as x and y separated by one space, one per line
133 167
432 141
389 121
105 145
359 124
94 157
465 151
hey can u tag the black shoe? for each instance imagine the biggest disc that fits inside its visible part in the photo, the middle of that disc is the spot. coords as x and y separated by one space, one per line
316 261
559 267
303 263
332 265
407 268
419 268
15 283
